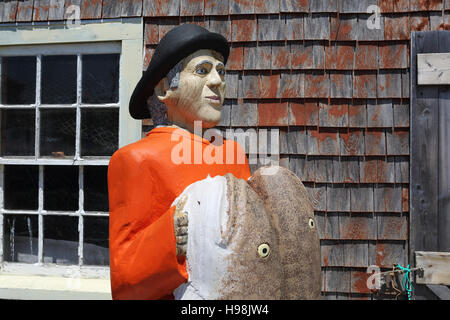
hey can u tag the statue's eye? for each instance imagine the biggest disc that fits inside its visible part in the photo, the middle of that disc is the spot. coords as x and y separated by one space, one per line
221 72
263 250
201 71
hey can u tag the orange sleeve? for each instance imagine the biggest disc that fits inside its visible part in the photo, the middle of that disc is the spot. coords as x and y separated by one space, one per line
143 259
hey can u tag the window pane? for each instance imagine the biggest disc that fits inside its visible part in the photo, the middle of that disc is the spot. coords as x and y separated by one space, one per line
18 127
96 241
96 188
61 188
21 187
59 80
18 80
61 239
58 132
20 241
100 78
99 132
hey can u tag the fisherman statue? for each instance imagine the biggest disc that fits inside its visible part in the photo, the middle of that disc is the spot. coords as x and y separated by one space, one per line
185 227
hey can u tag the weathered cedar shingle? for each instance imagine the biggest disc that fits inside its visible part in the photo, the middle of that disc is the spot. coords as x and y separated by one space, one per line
389 84
396 27
272 114
243 28
401 6
332 225
361 201
161 8
317 26
358 281
307 55
337 280
191 7
251 85
420 5
352 175
366 56
112 8
213 7
375 142
56 10
241 6
338 198
334 114
357 113
341 84
151 32
165 25
402 169
344 27
436 21
297 116
131 8
387 198
296 141
340 170
392 226
294 6
288 85
405 83
24 11
323 6
91 9
356 254
352 142
379 114
264 6
332 256
311 112
281 56
294 27
244 114
221 25
393 56
386 170
397 142
317 84
364 84
225 119
419 21
323 169
339 56
236 57
8 11
368 170
270 28
232 87
40 10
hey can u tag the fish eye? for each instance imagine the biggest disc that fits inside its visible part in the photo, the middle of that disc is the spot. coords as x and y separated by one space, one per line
311 223
263 250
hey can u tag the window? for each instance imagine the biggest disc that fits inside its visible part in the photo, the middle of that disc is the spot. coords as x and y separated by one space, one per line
63 113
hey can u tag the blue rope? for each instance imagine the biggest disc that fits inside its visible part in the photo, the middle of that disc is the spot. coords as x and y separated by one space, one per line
406 281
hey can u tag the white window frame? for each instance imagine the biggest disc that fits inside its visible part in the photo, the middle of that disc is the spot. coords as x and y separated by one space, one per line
125 35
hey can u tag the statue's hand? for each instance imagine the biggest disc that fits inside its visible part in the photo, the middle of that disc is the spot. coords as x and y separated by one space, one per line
180 223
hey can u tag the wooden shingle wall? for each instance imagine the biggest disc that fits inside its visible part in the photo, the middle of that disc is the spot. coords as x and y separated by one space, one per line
338 92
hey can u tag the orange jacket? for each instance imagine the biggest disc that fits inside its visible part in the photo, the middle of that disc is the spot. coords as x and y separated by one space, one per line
143 181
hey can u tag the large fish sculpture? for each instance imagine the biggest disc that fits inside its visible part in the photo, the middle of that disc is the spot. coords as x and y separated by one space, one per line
252 239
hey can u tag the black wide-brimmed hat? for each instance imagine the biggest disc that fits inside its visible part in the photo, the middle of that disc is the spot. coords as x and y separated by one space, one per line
177 44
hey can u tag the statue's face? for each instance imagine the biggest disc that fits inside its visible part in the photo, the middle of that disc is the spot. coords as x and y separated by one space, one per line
201 90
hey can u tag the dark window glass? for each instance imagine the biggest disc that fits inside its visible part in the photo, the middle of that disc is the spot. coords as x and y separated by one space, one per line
100 78
18 80
17 132
99 132
59 80
96 241
61 188
96 188
21 187
58 129
61 239
20 238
